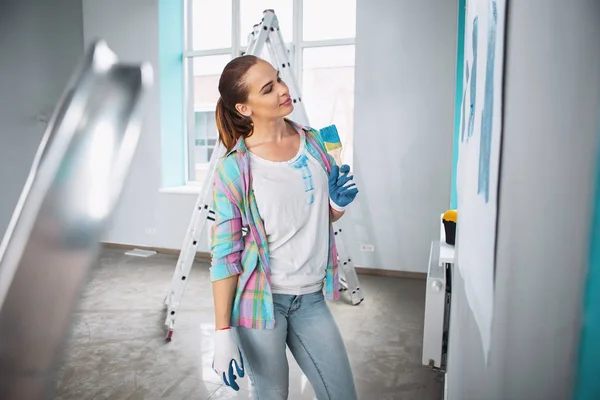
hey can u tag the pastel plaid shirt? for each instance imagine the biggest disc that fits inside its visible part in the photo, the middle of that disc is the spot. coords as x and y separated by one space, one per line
247 256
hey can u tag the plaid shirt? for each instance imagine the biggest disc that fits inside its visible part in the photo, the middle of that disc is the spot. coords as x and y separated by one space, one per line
248 255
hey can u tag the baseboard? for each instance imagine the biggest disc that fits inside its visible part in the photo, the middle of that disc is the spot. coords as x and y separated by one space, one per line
203 256
391 273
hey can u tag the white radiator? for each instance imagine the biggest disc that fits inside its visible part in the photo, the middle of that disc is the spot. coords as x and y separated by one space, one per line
435 306
438 295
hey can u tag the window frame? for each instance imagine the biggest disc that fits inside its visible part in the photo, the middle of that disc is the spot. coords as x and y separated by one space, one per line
296 48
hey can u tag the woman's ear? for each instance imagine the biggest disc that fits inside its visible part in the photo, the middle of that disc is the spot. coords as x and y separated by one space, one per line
243 109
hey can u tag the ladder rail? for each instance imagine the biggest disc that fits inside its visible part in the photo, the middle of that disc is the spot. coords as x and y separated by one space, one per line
282 61
202 212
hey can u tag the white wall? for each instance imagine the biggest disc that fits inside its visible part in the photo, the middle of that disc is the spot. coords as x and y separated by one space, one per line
40 44
145 217
404 107
548 160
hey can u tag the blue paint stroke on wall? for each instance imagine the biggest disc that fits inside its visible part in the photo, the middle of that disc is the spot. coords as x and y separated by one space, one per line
587 385
483 186
459 98
463 119
473 87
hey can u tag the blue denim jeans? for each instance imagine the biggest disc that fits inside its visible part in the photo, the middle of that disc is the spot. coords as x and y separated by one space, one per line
306 325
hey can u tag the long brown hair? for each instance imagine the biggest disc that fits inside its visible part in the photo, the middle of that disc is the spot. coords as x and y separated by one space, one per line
230 123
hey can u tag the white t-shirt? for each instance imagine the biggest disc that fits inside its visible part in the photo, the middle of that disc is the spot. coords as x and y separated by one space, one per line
293 202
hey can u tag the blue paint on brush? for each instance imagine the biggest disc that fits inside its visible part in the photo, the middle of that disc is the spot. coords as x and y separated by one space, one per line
330 136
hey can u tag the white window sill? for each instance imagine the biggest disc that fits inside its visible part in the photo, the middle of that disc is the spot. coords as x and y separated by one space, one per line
188 189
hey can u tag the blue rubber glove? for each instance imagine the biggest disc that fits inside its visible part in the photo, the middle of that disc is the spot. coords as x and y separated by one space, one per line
340 192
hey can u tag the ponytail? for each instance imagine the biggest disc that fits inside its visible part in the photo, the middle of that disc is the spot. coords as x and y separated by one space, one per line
233 90
231 125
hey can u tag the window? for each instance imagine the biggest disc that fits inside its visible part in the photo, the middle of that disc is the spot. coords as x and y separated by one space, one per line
328 90
202 130
321 53
328 19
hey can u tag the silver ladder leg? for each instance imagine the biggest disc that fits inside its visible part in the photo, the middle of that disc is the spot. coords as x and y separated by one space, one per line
53 238
280 59
348 277
202 212
268 34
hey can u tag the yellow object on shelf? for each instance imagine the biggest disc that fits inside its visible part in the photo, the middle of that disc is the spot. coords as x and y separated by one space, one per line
450 217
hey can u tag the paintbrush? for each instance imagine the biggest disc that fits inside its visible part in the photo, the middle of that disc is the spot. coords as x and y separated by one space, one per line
330 136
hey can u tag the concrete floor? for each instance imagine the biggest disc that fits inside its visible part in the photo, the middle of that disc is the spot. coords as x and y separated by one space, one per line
117 348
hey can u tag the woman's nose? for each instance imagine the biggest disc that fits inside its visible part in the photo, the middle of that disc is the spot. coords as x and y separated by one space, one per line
283 89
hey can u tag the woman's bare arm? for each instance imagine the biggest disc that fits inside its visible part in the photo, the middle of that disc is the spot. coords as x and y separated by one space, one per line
223 294
336 215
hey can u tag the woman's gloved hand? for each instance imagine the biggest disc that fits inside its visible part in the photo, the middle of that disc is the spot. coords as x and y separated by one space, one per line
227 355
340 193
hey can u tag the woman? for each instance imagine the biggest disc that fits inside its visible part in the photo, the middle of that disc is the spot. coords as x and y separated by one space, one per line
277 181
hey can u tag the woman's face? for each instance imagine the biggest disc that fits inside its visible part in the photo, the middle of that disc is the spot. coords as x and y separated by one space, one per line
268 96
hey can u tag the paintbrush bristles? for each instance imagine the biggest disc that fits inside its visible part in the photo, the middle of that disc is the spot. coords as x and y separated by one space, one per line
330 136
332 141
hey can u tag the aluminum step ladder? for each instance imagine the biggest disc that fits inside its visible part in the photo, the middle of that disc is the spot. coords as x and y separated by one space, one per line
267 34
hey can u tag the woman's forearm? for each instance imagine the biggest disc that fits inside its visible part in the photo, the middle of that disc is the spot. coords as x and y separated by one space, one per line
336 215
223 294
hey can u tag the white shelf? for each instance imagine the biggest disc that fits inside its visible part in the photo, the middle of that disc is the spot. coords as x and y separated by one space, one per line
446 250
446 254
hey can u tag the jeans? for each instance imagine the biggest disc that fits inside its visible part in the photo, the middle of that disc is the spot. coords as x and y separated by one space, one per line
306 325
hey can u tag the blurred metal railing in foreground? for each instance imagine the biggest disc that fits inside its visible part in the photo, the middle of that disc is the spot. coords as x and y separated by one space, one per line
75 182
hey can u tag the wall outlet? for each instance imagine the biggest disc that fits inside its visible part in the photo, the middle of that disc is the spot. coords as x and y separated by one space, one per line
150 231
367 248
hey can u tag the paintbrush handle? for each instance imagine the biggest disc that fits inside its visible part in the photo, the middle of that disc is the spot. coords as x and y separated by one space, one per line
337 156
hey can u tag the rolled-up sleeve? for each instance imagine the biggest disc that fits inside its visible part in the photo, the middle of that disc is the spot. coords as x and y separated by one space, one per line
226 235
